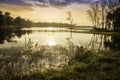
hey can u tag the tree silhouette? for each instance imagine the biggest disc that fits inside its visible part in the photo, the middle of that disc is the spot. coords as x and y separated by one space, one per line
19 22
91 16
112 42
28 23
70 17
103 4
8 19
116 18
93 13
112 6
2 21
109 18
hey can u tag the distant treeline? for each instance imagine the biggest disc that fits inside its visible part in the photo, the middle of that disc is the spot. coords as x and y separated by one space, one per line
53 24
7 21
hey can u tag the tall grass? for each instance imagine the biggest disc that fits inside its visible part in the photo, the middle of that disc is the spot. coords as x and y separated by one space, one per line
60 63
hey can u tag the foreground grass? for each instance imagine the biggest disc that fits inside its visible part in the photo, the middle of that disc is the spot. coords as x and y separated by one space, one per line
84 65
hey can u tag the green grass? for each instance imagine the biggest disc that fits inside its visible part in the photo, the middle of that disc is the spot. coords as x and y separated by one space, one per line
84 65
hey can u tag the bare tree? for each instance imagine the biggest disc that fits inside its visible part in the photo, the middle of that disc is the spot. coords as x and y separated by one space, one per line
91 16
103 4
112 6
70 17
100 13
93 13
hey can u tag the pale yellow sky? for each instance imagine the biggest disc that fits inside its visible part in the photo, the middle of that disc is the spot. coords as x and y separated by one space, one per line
50 14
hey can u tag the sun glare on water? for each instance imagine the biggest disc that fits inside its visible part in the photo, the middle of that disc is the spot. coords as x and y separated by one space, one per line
51 43
50 28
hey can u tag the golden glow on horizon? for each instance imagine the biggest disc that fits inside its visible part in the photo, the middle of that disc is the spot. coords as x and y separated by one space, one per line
51 14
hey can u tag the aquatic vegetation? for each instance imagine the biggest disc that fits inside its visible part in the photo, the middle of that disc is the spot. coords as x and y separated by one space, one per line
55 63
19 61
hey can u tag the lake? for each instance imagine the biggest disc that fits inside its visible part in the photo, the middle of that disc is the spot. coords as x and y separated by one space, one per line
47 36
48 47
52 36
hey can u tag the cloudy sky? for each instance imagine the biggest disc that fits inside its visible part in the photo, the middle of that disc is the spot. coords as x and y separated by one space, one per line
48 10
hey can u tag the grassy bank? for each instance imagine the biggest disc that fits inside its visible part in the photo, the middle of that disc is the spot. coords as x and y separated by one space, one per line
104 32
84 65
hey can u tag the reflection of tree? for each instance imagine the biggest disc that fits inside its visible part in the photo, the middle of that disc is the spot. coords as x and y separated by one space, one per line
8 35
5 36
112 42
101 42
96 42
70 19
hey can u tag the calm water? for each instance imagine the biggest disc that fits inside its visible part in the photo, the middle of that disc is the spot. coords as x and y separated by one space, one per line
51 36
45 48
48 36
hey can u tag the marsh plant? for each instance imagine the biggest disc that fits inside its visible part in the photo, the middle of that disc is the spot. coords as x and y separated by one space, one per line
59 63
33 57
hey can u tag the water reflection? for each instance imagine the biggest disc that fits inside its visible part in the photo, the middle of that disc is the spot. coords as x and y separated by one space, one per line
51 42
50 28
112 42
5 35
45 50
9 36
90 41
96 42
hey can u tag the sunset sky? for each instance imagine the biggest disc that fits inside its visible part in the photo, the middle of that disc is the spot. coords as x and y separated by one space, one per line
48 10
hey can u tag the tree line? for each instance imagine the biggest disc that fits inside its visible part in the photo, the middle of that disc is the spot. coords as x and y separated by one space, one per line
48 24
105 14
6 21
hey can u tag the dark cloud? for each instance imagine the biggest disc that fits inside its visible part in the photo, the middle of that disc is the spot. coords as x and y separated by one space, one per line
16 5
15 2
44 3
12 1
57 2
